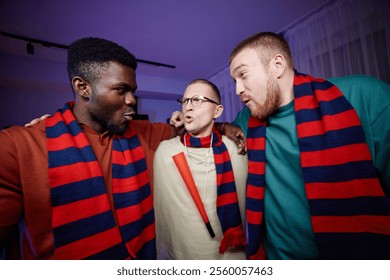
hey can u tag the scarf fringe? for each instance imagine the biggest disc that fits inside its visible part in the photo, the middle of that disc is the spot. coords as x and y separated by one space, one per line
233 238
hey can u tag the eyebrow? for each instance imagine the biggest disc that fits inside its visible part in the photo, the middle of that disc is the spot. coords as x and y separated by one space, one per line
238 67
126 85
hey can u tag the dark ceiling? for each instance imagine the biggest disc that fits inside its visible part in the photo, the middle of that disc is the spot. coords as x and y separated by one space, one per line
195 36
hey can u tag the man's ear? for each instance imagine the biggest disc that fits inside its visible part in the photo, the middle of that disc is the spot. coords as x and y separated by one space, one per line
280 64
218 111
81 87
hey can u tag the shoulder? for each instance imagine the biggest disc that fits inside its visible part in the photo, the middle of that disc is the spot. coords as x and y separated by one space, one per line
20 132
152 133
368 95
239 161
362 85
231 146
169 146
19 140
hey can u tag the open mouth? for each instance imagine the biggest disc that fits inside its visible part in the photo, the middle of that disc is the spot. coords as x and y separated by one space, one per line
129 116
188 118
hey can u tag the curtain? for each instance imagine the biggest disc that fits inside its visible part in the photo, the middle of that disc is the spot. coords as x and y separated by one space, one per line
343 37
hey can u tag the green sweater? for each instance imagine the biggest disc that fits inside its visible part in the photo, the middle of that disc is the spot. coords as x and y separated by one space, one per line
288 231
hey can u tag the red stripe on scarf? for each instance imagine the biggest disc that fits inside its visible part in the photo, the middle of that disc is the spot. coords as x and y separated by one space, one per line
254 192
349 189
135 212
334 122
340 155
253 122
67 115
132 184
311 102
78 210
220 158
227 199
254 217
256 168
256 143
65 174
65 141
123 159
302 79
82 248
228 177
358 223
205 141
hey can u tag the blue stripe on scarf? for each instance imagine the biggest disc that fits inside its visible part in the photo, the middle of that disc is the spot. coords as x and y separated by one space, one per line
113 253
227 188
61 128
228 213
123 144
253 243
339 173
256 180
195 142
70 156
305 89
223 167
79 190
127 199
135 228
326 108
147 251
256 133
130 170
257 156
350 206
70 232
254 204
341 137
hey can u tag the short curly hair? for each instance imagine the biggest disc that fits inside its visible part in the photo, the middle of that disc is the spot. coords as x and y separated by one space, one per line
88 56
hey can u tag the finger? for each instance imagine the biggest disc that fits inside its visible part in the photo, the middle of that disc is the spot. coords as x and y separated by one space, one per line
179 123
44 117
34 121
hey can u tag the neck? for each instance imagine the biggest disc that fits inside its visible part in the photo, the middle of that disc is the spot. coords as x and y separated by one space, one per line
82 117
286 85
202 133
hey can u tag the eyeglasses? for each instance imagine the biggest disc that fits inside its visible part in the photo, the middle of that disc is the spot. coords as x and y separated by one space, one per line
196 100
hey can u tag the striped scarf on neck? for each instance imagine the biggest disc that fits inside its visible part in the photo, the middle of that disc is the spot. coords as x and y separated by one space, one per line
349 213
85 223
227 202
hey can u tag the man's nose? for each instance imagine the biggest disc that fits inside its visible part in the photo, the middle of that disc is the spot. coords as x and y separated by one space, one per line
239 88
130 99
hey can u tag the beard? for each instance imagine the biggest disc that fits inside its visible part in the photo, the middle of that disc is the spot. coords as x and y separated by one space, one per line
271 103
104 116
106 122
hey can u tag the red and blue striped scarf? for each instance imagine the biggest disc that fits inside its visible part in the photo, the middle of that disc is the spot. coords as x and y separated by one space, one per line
228 210
85 224
349 212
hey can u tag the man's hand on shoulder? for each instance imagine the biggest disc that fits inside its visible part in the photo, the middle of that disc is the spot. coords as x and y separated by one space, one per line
37 120
235 134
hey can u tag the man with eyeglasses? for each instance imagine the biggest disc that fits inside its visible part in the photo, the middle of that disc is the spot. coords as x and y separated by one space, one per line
219 173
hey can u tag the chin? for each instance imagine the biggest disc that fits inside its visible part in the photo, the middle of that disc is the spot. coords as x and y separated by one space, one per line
118 129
